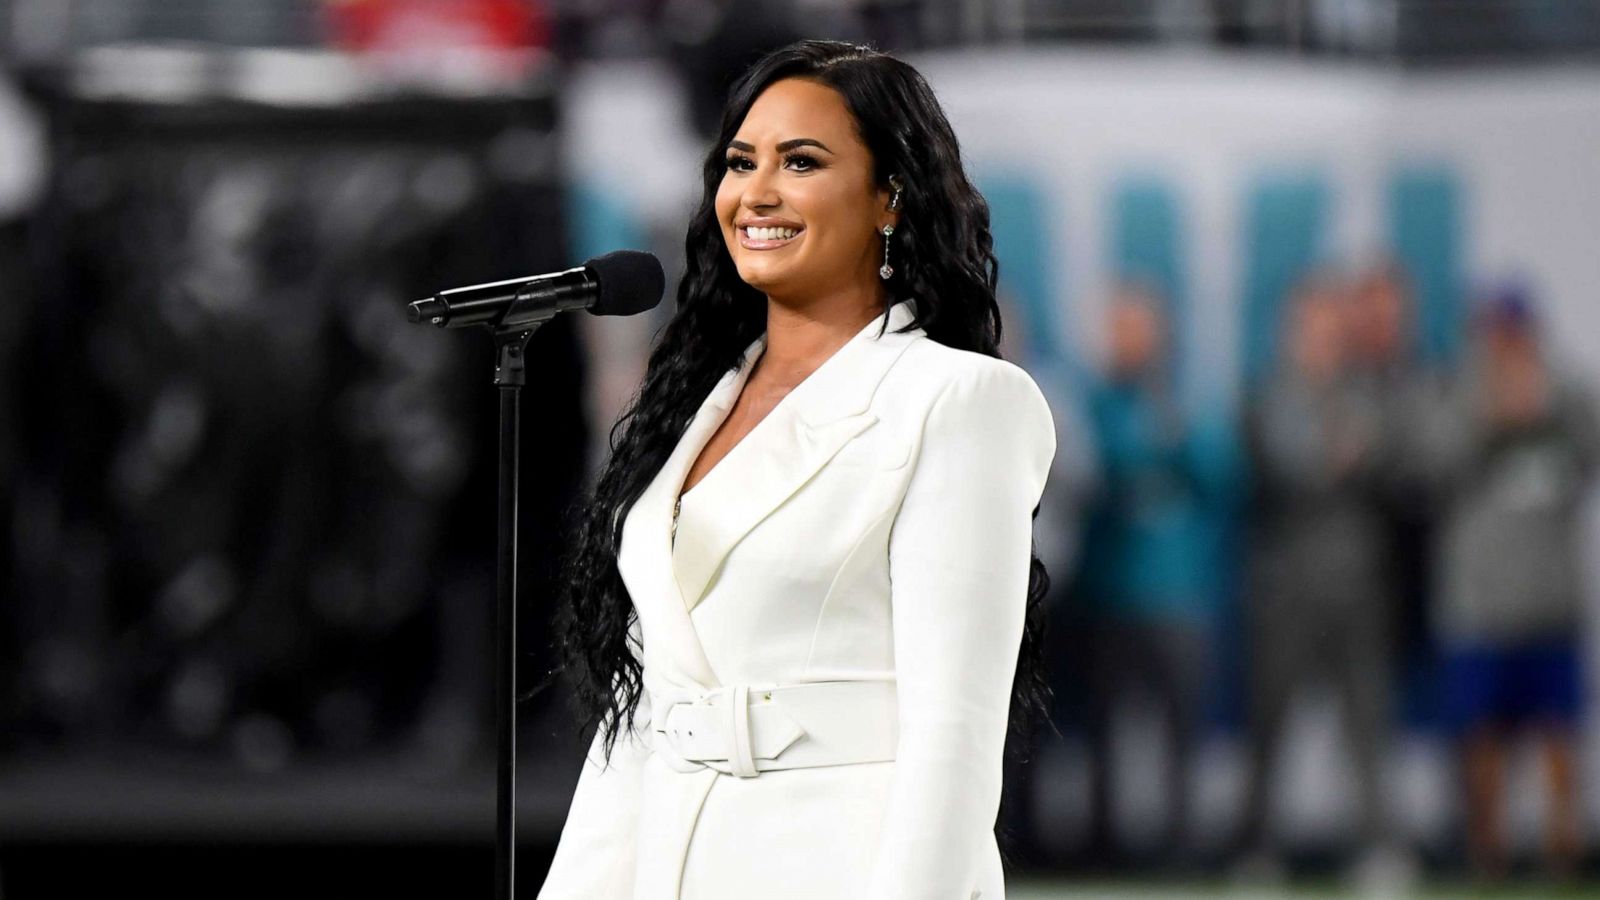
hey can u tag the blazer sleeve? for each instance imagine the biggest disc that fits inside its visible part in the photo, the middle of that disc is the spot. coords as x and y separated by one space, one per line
594 859
959 554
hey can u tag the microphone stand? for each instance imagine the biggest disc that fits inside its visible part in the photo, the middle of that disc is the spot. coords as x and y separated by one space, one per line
510 346
533 304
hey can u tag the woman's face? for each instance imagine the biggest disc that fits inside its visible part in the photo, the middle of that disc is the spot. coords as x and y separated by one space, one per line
797 166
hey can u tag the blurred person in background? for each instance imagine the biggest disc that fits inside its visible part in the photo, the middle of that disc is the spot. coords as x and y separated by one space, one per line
1147 567
1320 589
1518 453
1387 366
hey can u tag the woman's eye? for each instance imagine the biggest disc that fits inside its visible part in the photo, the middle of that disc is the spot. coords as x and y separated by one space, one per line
798 161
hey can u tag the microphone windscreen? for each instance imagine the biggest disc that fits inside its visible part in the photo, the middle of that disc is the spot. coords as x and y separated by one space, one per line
631 281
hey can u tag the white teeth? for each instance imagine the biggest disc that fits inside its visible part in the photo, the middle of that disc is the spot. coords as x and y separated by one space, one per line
771 234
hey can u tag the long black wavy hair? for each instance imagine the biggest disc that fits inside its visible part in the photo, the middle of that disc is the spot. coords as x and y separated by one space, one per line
944 258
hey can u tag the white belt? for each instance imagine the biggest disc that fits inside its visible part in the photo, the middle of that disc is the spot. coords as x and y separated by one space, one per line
748 729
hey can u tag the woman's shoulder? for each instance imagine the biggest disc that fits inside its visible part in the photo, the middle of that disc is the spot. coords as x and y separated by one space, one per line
971 402
940 369
964 388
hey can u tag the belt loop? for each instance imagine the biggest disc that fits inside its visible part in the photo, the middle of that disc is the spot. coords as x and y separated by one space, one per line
743 760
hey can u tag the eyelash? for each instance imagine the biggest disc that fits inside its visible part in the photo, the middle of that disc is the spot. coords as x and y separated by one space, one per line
731 163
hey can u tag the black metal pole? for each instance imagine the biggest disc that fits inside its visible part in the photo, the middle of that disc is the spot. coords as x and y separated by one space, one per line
506 656
509 376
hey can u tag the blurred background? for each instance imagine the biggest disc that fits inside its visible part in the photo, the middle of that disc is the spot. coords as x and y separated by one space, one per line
1313 287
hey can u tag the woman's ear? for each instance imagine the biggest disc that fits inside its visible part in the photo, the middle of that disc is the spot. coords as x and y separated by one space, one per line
895 202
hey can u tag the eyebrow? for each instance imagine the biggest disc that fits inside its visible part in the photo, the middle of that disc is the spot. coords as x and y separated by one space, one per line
784 147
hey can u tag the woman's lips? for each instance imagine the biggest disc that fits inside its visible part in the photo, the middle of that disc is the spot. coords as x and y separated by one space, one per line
750 243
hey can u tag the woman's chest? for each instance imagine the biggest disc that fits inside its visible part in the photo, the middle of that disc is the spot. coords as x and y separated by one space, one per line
814 564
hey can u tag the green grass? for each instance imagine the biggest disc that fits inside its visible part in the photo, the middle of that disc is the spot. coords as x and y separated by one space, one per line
1133 890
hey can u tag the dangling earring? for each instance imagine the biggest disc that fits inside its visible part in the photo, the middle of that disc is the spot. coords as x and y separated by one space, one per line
897 186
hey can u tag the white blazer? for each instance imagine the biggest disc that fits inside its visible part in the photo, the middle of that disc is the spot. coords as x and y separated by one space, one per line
873 528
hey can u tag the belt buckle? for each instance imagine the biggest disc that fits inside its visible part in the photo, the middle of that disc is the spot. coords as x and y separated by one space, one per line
727 742
727 714
665 743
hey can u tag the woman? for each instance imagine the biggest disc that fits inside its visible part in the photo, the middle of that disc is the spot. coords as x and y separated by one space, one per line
796 607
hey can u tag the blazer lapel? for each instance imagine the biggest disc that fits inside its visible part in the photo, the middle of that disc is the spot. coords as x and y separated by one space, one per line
661 610
784 450
779 455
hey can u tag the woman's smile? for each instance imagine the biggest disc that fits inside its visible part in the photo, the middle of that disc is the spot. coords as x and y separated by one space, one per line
758 235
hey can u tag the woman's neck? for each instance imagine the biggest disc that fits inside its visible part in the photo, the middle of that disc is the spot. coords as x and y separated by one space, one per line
800 340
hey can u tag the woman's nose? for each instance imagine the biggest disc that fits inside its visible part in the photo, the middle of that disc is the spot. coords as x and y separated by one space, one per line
760 191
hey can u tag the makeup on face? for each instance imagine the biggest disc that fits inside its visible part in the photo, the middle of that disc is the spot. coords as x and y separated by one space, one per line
797 203
759 232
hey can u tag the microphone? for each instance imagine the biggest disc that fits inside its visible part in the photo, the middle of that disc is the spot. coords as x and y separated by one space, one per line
620 283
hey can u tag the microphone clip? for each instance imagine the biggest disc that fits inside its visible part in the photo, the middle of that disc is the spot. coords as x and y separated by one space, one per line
510 355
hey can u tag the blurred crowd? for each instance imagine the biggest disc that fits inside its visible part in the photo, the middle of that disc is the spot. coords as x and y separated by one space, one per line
1393 511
